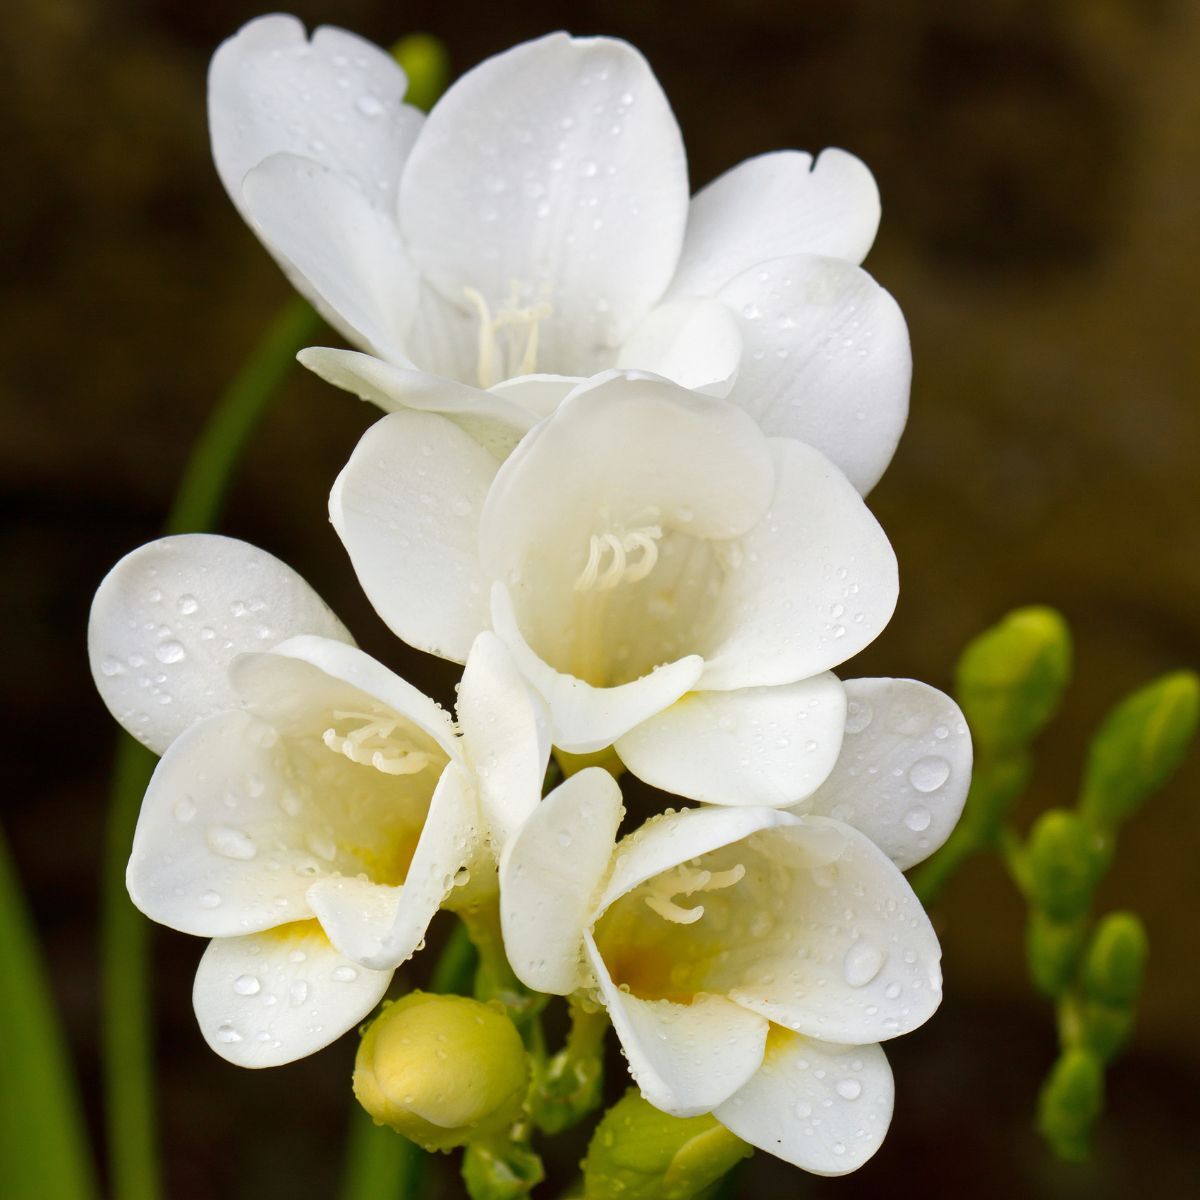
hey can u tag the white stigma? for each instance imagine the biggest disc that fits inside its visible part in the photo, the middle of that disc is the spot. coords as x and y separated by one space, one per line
619 556
508 341
687 881
372 745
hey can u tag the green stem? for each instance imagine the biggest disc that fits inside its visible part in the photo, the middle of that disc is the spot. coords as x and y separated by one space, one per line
127 1025
380 1164
454 972
43 1141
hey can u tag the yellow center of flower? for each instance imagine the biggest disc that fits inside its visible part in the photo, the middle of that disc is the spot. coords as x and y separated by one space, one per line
508 340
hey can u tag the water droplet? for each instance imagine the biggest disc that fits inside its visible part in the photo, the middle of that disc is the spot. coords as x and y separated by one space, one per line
231 843
849 1089
247 985
917 819
210 900
170 651
564 839
111 667
839 1147
862 963
368 106
804 1111
187 605
227 1034
345 974
298 992
185 809
928 774
859 715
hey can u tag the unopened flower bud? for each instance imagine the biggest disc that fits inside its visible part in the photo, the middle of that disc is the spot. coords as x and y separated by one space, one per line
441 1070
1011 677
1070 1102
1063 864
1116 959
640 1153
1053 949
1138 746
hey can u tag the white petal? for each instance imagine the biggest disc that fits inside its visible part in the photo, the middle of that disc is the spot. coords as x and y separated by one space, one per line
774 205
822 1107
685 1058
406 507
585 718
666 841
336 100
816 581
826 360
692 341
170 617
308 676
824 935
337 248
381 927
751 746
539 395
549 877
215 852
270 998
904 769
506 737
557 164
496 422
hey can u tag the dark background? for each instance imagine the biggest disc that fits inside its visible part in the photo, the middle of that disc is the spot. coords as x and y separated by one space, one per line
1040 171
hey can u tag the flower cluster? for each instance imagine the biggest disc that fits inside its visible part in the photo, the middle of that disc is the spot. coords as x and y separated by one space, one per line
620 477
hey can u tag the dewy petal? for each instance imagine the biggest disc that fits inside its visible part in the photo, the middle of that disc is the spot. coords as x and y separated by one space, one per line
538 395
685 1058
549 877
904 770
672 838
751 746
774 205
406 507
336 100
171 616
816 579
496 422
337 249
270 998
692 341
216 852
381 927
585 718
557 165
505 736
825 936
822 1107
826 361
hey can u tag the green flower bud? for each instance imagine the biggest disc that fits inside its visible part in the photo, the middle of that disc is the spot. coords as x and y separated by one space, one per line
1011 677
1116 960
1138 746
1053 949
1064 857
1104 1028
441 1070
1071 1099
640 1153
425 62
499 1169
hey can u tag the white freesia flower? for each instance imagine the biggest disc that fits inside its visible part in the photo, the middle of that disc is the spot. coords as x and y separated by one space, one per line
311 811
536 228
751 960
667 577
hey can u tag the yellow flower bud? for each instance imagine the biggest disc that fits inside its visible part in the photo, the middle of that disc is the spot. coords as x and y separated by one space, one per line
441 1070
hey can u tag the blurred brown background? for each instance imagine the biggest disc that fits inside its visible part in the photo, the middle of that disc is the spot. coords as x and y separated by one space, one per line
1040 170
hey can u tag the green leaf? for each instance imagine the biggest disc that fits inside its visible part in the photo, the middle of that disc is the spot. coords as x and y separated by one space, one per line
1138 747
1010 679
43 1144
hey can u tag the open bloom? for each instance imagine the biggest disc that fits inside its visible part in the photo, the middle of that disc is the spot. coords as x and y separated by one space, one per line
667 577
311 810
751 960
536 228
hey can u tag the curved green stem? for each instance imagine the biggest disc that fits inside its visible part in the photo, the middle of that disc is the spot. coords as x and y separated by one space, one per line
380 1164
128 1025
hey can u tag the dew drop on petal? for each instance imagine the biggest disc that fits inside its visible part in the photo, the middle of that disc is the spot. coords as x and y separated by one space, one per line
849 1089
862 963
918 819
247 985
859 715
928 774
170 651
345 974
227 1034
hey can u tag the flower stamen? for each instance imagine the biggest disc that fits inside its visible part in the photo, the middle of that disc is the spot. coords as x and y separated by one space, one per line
687 880
372 744
501 352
